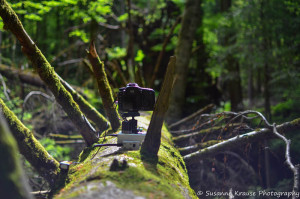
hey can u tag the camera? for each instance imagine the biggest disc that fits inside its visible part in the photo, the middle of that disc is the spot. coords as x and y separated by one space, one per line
133 98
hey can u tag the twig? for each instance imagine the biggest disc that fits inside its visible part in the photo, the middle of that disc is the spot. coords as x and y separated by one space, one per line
227 144
214 132
185 131
295 169
242 114
161 54
4 88
71 61
199 112
32 93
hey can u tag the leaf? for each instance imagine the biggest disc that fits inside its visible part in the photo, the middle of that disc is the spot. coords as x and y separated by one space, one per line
33 17
140 56
79 33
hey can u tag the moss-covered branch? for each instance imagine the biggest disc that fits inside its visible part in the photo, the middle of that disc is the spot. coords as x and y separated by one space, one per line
264 133
47 73
90 111
29 147
12 180
104 88
152 140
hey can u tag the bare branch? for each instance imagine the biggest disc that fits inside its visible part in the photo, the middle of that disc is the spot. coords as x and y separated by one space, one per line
206 109
295 169
4 88
264 133
161 54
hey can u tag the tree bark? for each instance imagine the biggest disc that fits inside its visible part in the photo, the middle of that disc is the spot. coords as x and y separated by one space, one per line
47 73
152 140
12 180
30 148
104 88
189 25
233 79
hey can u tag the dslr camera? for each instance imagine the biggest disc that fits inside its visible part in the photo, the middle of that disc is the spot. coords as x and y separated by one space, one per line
133 98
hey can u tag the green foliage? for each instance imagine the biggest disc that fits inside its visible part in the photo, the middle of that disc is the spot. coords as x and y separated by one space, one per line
116 52
81 34
58 152
140 56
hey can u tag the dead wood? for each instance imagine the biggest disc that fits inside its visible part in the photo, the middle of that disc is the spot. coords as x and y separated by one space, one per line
211 133
104 88
152 140
161 54
258 135
206 109
24 76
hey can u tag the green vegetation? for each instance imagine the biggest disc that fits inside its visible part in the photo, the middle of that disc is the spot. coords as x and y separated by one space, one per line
245 55
167 175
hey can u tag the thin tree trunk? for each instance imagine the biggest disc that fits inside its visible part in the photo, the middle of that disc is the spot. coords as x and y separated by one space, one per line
152 140
104 88
189 25
250 86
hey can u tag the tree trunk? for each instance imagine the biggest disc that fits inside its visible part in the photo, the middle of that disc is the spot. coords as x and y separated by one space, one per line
233 80
189 25
151 144
12 180
104 88
234 83
30 148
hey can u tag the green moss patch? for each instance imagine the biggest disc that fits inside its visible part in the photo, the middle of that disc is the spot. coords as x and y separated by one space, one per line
164 177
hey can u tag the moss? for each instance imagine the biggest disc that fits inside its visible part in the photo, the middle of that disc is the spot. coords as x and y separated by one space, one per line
165 177
33 151
295 122
104 88
13 184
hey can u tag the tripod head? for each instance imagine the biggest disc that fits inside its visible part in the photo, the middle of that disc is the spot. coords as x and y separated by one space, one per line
130 126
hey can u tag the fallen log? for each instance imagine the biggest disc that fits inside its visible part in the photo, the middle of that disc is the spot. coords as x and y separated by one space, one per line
239 140
110 172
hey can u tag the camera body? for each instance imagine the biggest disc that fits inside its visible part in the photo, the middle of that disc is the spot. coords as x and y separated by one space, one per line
133 98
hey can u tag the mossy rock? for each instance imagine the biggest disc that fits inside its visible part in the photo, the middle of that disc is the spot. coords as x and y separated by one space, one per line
114 173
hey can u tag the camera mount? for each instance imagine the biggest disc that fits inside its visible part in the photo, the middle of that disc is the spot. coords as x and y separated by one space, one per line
130 137
132 99
130 126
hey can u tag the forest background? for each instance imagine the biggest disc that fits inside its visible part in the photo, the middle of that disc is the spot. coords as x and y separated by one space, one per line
245 55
